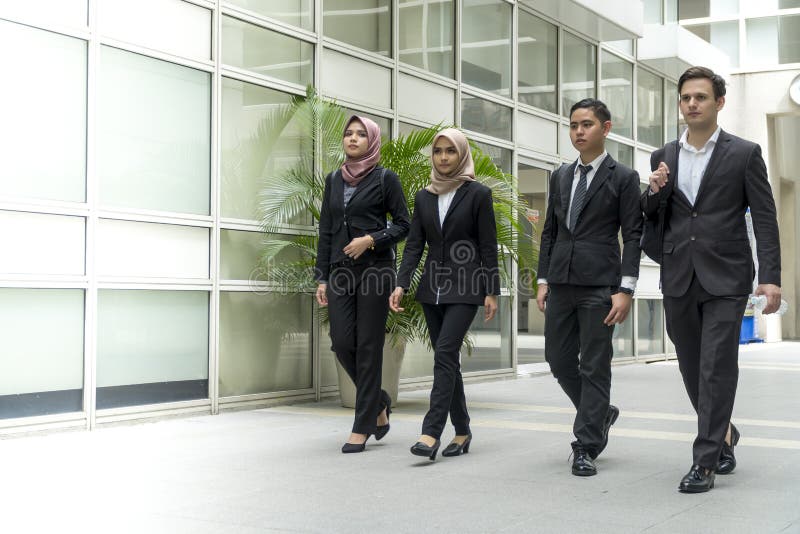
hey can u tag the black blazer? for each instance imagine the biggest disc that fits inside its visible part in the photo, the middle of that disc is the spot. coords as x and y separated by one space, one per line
591 256
365 214
709 239
461 266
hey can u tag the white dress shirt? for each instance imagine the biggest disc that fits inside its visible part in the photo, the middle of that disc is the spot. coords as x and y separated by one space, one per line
692 164
444 204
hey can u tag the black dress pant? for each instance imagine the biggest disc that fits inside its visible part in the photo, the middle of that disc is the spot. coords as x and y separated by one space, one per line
578 348
705 330
447 326
358 306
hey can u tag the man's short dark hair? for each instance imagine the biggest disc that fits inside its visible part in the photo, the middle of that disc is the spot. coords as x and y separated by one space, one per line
598 107
693 73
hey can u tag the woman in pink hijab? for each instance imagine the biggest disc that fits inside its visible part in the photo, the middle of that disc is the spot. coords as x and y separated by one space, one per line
454 217
356 269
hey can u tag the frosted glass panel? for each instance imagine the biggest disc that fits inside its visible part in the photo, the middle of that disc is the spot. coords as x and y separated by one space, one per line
61 12
486 45
295 12
537 133
41 244
173 26
579 66
492 340
366 24
620 152
152 346
616 90
41 361
426 35
241 252
43 110
424 100
650 101
672 111
650 320
485 116
723 35
265 343
693 9
773 40
622 339
137 249
154 138
266 52
378 79
538 62
255 144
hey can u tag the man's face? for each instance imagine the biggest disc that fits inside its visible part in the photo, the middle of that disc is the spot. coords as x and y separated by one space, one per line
697 103
586 131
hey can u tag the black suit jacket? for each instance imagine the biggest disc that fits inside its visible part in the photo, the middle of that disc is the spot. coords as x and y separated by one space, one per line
591 256
709 239
365 214
461 266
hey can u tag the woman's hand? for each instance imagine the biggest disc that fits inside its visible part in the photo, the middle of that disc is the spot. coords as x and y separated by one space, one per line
322 295
489 307
395 298
358 246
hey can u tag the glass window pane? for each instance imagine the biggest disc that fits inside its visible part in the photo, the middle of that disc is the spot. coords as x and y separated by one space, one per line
266 52
625 46
241 254
492 349
152 346
580 71
723 35
788 4
41 244
298 13
154 134
41 374
136 249
384 123
486 45
255 144
173 26
426 35
538 62
616 90
43 110
620 152
672 11
485 117
672 111
650 320
369 75
650 102
773 40
694 9
652 11
500 156
265 342
61 12
622 339
366 24
424 100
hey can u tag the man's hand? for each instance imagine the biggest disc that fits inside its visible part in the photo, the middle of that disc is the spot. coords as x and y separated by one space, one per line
541 296
659 178
620 307
358 246
322 296
395 298
489 307
773 294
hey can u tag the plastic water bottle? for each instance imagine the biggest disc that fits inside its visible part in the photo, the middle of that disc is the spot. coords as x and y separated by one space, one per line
759 302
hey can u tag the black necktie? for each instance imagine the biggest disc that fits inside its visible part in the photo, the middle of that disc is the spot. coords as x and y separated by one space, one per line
579 197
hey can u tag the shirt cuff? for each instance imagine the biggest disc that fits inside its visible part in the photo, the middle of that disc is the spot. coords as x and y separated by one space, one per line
541 281
629 282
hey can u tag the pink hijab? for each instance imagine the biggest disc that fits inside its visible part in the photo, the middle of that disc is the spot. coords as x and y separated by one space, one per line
356 169
464 172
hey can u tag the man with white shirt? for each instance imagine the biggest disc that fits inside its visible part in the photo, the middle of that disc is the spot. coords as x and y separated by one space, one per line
710 178
585 285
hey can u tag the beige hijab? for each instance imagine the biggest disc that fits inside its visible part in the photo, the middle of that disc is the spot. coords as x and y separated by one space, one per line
464 172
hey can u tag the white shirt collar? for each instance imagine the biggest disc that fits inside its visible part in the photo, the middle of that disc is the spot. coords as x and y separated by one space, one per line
595 163
684 143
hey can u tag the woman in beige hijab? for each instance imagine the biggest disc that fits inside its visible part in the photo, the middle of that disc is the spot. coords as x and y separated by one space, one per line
454 217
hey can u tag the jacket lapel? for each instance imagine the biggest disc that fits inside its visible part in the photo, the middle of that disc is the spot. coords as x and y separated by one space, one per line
337 191
565 184
434 201
362 185
460 192
723 143
600 177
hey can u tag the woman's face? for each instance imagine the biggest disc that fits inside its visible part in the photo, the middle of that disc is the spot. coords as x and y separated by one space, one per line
445 155
355 140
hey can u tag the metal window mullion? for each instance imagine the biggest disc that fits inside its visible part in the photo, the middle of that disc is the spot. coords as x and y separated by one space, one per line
316 361
216 185
458 11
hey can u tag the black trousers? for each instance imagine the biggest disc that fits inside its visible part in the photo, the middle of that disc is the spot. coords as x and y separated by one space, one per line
447 326
577 345
705 330
358 305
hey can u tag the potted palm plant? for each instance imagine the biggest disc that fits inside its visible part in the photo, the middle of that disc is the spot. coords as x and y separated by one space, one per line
289 195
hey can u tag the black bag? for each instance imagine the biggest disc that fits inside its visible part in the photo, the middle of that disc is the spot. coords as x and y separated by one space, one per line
652 241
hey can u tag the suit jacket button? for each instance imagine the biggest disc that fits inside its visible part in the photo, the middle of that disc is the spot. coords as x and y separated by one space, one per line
692 238
694 214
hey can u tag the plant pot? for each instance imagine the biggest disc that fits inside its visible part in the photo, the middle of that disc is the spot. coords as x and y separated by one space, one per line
390 377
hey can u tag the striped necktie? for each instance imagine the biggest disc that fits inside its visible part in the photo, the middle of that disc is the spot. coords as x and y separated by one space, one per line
579 197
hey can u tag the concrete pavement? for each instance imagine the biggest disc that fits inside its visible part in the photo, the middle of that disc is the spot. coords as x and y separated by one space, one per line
280 469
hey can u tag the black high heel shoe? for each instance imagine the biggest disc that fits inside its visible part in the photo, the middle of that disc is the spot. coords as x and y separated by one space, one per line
456 449
348 448
382 430
420 449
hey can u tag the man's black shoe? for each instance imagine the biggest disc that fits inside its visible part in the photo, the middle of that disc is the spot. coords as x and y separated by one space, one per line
727 461
611 418
582 464
697 480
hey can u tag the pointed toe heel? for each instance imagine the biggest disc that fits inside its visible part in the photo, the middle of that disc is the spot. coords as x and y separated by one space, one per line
456 449
420 449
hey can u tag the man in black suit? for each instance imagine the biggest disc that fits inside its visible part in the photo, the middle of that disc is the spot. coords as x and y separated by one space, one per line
587 286
711 177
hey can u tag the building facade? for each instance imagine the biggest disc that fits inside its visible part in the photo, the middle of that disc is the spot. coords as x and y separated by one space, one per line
132 164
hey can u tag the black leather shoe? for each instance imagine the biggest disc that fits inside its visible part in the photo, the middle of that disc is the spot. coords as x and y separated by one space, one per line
611 418
420 449
456 449
382 430
582 464
348 448
727 461
697 480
